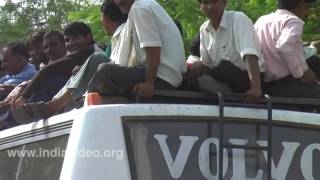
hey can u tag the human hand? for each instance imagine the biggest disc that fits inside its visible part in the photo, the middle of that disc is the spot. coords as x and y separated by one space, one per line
195 70
253 95
144 89
309 77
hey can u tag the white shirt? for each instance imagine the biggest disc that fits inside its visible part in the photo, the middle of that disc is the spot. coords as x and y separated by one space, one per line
234 39
309 51
192 59
153 27
115 43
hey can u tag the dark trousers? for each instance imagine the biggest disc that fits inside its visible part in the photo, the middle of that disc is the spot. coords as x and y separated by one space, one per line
61 67
112 79
314 64
292 87
48 88
229 74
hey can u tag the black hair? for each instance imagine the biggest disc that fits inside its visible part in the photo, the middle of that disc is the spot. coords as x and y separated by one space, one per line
76 29
200 1
35 38
17 48
195 46
110 9
57 34
179 26
291 4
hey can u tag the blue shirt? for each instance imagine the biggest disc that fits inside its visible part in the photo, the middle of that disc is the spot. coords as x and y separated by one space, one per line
26 74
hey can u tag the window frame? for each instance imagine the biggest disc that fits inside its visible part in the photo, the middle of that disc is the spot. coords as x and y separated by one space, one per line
36 134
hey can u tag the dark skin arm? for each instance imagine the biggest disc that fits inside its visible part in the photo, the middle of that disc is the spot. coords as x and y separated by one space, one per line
255 92
196 70
309 77
146 88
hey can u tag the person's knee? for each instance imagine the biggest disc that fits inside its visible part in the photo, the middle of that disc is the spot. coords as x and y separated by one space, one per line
106 69
103 67
225 69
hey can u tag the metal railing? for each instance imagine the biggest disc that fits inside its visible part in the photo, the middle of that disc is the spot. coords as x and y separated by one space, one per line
222 145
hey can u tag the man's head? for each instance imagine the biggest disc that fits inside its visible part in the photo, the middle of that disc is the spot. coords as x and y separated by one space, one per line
53 45
124 5
300 8
111 16
77 35
14 57
35 48
213 8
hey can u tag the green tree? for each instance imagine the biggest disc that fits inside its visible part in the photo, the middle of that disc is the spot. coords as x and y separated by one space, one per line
312 26
18 20
188 13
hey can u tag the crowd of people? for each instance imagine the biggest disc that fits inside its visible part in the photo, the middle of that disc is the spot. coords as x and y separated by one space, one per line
230 54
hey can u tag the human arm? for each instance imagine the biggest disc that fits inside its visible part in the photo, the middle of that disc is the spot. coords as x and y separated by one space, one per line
249 48
146 88
148 34
308 77
290 50
62 66
198 68
255 91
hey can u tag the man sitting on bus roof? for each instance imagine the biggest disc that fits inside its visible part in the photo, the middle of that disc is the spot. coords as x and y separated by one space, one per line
79 42
15 62
230 50
287 72
113 22
204 83
150 34
54 49
36 51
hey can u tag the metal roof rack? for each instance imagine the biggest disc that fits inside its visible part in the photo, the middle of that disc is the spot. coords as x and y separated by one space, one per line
222 145
195 97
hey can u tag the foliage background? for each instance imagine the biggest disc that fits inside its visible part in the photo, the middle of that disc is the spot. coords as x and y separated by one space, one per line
18 20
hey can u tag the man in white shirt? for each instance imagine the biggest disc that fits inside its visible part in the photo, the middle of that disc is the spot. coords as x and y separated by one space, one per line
230 50
158 62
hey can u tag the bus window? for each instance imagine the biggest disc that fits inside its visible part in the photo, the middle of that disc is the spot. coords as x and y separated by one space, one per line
35 161
8 165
